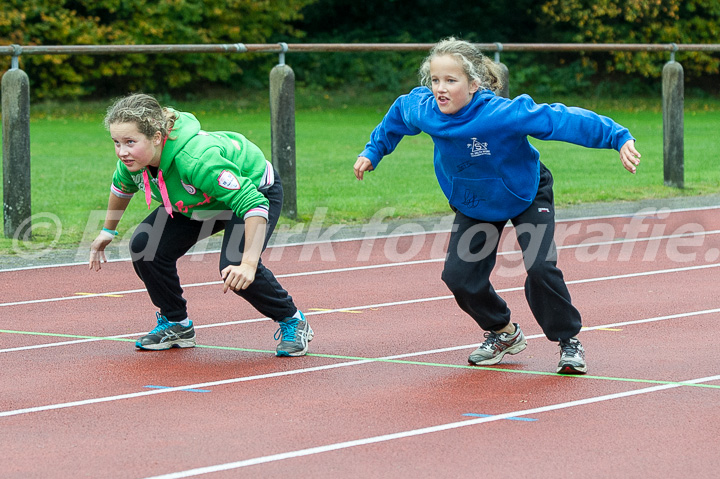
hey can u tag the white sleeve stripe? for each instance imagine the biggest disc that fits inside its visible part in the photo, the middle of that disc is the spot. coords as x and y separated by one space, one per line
119 193
257 211
268 178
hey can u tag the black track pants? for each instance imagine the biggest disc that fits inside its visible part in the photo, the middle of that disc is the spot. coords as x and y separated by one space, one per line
471 258
160 240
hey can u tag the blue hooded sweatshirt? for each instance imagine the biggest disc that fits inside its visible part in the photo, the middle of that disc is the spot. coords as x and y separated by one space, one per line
483 160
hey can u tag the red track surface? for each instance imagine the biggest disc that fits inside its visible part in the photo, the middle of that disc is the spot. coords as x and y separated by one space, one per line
386 390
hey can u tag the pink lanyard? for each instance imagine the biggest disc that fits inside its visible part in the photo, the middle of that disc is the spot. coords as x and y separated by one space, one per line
161 187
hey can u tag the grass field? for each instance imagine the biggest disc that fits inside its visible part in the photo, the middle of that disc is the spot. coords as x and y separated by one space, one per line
73 159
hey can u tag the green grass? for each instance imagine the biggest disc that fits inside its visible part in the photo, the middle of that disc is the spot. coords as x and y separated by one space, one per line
73 159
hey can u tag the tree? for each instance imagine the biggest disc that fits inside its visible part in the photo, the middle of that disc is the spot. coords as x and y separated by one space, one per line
103 22
637 21
397 21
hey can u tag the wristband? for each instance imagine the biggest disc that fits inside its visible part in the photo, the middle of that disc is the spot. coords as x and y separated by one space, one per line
109 233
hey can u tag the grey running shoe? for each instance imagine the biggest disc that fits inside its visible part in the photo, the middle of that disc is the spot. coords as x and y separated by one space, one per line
294 335
498 345
166 335
572 357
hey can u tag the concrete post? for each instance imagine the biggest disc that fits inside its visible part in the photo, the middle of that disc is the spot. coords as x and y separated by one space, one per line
16 152
282 130
673 125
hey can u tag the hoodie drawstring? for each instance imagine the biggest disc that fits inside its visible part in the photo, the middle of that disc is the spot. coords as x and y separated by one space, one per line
146 181
164 194
163 191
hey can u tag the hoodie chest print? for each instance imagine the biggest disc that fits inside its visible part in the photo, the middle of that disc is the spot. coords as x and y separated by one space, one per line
180 204
189 188
478 148
139 181
181 207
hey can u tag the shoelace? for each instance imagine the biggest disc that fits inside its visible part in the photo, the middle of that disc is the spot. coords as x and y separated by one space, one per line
286 331
571 348
492 339
162 325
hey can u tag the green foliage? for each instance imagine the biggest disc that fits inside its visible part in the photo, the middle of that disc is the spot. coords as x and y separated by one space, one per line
395 21
423 21
636 21
101 22
123 22
520 21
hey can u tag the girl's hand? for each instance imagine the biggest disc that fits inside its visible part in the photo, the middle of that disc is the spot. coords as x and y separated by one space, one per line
97 251
361 166
238 277
629 156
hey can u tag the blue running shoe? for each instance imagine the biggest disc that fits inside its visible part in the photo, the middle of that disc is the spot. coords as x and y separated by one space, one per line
166 335
295 334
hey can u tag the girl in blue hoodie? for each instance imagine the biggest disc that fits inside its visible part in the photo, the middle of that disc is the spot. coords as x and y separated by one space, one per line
490 174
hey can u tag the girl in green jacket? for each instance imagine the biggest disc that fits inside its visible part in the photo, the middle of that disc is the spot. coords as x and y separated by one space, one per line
206 182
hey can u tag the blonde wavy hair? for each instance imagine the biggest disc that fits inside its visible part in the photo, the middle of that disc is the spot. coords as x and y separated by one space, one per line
476 66
144 111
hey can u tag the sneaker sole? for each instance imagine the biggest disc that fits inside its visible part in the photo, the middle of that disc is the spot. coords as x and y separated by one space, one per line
571 369
182 343
285 354
511 350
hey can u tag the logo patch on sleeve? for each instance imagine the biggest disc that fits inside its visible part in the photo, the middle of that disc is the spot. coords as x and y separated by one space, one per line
228 181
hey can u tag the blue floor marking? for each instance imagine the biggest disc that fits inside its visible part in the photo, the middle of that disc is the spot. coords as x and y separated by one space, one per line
508 418
189 390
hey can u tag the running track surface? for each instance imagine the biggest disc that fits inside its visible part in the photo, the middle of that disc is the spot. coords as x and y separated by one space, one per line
386 390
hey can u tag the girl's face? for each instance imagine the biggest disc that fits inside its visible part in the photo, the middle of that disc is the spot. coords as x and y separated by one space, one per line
134 149
450 85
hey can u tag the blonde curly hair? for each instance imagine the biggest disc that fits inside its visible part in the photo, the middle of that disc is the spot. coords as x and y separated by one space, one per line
144 111
476 66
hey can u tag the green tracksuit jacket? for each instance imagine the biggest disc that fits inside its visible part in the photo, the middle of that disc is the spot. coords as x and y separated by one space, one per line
202 173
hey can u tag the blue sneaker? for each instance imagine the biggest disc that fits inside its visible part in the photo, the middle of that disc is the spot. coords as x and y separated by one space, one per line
166 335
295 334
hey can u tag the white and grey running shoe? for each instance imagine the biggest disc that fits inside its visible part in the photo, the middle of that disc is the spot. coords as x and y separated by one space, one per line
167 335
498 345
572 357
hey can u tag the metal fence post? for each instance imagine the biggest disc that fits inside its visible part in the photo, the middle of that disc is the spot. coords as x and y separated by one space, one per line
673 123
16 151
282 130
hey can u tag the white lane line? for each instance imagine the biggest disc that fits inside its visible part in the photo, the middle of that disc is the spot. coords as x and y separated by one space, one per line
421 431
349 269
370 306
639 213
312 369
119 397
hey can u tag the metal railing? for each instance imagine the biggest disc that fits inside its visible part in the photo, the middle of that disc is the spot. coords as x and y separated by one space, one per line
16 50
16 104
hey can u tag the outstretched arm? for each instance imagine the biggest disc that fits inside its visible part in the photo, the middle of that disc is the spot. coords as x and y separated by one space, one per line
629 156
